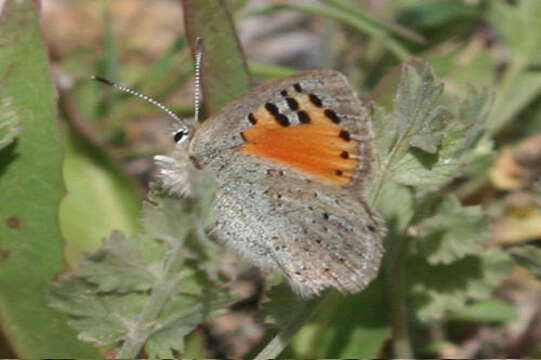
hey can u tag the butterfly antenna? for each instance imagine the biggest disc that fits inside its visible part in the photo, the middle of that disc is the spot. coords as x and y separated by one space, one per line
139 95
197 90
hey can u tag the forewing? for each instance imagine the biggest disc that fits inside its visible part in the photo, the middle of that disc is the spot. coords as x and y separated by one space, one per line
312 122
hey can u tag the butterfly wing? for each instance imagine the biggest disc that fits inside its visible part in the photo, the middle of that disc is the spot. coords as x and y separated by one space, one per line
290 175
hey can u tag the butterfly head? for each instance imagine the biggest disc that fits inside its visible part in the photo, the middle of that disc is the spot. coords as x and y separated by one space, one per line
182 133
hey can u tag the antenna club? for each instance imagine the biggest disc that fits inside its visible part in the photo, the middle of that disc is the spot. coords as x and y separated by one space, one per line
103 80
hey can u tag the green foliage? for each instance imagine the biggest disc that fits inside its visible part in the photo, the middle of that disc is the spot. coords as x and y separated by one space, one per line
528 257
223 81
437 289
420 13
423 143
454 232
31 187
521 82
335 329
494 310
99 198
10 123
151 289
148 291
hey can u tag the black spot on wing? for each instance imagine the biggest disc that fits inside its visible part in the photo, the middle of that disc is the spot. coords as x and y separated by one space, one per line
315 100
292 103
344 134
252 119
279 117
282 120
303 116
272 109
332 116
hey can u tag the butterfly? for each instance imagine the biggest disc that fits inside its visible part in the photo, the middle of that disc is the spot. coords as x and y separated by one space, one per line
291 161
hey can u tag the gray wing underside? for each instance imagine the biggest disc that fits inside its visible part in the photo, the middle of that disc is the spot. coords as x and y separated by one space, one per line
319 237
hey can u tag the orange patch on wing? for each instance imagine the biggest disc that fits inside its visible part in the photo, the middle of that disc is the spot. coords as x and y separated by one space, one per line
315 148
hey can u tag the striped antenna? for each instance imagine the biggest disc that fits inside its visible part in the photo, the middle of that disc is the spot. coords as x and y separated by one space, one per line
197 90
139 95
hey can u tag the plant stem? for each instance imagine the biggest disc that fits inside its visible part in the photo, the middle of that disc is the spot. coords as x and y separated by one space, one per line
144 327
282 339
399 308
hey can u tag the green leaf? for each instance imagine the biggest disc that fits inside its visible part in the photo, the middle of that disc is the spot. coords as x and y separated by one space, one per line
519 85
430 13
528 257
100 198
10 122
416 121
437 289
397 206
281 303
422 143
123 264
510 22
354 326
224 71
31 246
335 331
150 289
454 232
486 310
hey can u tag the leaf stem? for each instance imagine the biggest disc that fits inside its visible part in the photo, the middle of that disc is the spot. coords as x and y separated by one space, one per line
144 326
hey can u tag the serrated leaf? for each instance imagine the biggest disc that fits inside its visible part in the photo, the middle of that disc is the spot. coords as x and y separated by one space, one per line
437 289
181 315
102 319
123 264
528 257
146 289
10 123
422 143
419 118
454 232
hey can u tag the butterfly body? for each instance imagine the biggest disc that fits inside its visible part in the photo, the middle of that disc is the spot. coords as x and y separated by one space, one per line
291 160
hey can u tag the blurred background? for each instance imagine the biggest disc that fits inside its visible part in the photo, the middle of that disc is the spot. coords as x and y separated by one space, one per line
111 137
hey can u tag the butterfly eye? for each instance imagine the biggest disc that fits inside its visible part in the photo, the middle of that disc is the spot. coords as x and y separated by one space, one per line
180 136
